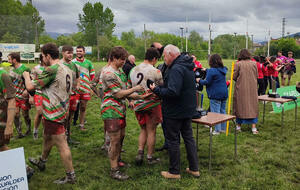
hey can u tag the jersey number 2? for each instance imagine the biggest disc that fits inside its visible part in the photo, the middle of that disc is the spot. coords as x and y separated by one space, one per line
141 77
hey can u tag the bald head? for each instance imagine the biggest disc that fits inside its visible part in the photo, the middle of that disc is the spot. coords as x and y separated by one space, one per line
171 52
131 59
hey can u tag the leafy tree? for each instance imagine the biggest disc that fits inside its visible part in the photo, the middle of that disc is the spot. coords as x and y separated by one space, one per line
96 19
63 40
20 20
9 38
45 38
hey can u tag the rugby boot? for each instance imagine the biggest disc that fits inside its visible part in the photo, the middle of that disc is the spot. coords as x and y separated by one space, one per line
69 178
153 160
139 158
41 164
116 174
30 172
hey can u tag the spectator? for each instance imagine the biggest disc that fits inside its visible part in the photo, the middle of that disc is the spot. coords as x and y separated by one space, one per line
245 98
290 67
260 80
216 88
282 61
178 105
129 64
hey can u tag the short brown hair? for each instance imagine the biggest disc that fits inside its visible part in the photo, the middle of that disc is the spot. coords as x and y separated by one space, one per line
152 53
66 48
215 61
51 49
244 55
15 55
118 52
290 52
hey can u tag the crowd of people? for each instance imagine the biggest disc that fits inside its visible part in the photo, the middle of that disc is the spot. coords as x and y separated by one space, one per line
166 95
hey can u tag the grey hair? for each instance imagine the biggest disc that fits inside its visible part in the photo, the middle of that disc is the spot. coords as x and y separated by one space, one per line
171 49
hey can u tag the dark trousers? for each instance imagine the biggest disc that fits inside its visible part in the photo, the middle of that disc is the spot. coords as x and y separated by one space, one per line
266 80
175 127
261 86
163 125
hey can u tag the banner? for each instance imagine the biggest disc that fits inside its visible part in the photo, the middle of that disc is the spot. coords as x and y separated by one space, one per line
286 91
13 170
26 48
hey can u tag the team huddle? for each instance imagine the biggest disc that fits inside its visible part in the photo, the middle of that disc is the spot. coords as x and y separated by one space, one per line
59 88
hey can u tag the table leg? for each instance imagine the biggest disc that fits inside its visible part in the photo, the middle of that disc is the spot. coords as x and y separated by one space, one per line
295 114
235 140
264 112
197 137
210 147
282 117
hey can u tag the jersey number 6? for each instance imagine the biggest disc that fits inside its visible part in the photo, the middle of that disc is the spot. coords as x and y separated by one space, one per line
68 84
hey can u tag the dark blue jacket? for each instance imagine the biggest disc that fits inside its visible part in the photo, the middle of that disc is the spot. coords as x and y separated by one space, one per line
178 93
215 82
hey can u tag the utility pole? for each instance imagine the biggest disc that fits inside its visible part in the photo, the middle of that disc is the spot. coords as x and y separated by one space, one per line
269 41
209 39
252 43
247 34
234 51
283 27
186 31
35 19
181 28
97 37
145 43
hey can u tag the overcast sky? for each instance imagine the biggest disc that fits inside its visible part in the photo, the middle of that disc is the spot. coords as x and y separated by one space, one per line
227 16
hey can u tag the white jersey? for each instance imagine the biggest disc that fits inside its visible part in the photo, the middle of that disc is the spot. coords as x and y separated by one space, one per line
139 76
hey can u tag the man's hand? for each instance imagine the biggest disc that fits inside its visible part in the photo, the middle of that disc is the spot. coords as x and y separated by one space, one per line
152 86
26 74
8 133
138 88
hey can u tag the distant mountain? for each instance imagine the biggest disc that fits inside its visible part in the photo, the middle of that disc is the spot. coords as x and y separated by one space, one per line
55 34
295 35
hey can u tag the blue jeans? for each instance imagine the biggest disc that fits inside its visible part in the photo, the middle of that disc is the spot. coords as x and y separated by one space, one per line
218 106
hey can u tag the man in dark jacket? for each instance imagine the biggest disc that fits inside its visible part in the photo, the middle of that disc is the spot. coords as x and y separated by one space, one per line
178 96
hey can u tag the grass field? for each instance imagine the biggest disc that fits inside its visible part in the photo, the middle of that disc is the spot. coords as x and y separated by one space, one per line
269 160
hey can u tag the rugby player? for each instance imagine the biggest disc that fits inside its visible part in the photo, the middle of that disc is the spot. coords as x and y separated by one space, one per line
113 107
7 113
87 74
67 53
38 98
22 96
148 112
56 85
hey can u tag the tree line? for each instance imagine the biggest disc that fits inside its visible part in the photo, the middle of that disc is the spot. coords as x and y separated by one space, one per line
21 23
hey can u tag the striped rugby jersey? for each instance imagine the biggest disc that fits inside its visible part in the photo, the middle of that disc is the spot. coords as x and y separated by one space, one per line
87 74
35 72
139 75
7 91
112 82
16 75
75 73
56 83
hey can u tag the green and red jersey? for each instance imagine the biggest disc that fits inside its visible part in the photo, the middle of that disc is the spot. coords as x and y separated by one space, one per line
87 74
7 91
139 76
112 82
56 83
16 75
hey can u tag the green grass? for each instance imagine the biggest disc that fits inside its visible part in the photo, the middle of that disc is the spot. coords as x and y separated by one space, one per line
269 160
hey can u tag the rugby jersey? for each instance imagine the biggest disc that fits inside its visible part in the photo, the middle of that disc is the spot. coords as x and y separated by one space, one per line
7 91
139 75
56 83
87 74
112 82
16 75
